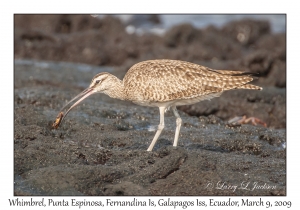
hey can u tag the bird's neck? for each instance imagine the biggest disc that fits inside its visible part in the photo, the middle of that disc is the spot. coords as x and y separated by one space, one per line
117 91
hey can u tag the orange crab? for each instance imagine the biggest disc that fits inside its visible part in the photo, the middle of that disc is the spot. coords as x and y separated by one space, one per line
245 120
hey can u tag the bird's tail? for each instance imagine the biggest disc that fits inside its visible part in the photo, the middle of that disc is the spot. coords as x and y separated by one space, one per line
239 79
238 73
249 86
230 72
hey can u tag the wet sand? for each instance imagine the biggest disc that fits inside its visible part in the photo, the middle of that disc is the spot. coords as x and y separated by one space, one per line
100 149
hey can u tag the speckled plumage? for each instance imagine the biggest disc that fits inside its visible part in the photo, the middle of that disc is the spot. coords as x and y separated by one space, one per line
167 80
167 84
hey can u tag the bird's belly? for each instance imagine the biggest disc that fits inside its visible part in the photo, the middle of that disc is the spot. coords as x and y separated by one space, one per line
153 103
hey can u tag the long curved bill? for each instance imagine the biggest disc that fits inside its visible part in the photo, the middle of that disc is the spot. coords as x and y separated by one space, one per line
84 94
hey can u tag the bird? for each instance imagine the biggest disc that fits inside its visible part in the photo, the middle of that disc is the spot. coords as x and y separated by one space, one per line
165 84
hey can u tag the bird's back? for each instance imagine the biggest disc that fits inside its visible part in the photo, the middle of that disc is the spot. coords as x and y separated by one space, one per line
167 80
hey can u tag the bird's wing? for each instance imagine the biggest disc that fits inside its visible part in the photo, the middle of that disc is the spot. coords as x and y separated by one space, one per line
164 80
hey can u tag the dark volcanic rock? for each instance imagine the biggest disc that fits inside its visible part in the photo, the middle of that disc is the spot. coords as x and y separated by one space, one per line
268 105
100 149
246 31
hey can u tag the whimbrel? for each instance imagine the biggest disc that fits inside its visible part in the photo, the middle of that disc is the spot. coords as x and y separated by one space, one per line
165 84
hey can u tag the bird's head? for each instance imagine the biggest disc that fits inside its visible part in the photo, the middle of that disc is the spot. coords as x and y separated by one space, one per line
99 84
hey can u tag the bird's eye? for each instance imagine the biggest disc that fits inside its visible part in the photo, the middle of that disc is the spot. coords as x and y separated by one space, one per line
97 81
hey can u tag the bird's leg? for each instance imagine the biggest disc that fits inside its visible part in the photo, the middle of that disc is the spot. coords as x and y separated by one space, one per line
160 127
178 125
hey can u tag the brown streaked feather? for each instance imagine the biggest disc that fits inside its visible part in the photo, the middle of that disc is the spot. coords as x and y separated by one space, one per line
230 72
166 80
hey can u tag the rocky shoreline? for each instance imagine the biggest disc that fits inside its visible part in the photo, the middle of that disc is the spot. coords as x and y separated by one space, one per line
101 147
